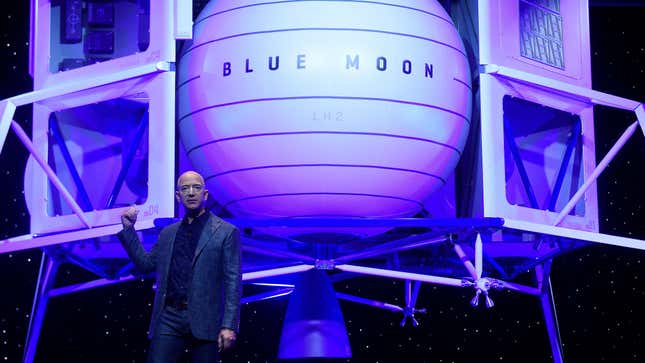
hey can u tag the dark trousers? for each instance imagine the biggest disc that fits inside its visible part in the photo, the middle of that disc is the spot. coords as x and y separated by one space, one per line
173 336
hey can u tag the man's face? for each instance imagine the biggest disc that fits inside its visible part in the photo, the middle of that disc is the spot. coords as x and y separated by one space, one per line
191 191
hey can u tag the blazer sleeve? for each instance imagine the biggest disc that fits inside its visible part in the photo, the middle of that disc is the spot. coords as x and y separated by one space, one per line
232 280
145 261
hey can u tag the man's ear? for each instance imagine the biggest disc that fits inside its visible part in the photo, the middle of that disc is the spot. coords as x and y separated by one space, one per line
177 197
205 194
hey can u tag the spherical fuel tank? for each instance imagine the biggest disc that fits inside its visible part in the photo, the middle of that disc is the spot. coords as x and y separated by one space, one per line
324 108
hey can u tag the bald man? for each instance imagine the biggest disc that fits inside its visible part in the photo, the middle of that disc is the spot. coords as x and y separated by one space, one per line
197 265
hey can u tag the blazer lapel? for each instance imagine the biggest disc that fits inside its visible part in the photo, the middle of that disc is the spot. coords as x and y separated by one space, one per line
212 225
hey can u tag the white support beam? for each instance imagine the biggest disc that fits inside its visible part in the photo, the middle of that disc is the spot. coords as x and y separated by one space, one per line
275 272
87 83
28 241
575 234
562 88
401 275
472 270
7 110
640 114
51 174
596 172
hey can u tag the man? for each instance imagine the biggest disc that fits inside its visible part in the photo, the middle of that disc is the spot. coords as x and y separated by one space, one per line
197 265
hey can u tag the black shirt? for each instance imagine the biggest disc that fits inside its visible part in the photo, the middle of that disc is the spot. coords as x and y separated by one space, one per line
181 271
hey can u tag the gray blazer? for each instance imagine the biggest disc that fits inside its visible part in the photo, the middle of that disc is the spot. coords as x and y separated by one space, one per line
216 285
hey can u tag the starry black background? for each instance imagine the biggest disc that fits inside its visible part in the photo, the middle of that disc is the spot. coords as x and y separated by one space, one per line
599 290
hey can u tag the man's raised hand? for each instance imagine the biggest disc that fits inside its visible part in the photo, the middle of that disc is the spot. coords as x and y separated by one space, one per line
129 217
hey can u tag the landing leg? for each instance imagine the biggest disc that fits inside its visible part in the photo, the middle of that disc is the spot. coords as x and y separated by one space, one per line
46 277
543 273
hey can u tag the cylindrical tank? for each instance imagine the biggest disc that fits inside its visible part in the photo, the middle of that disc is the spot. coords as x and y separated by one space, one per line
324 108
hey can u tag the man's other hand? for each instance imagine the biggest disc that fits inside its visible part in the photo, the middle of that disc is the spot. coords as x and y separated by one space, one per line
226 339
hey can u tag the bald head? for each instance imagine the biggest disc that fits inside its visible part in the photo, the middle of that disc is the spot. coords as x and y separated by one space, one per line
190 175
